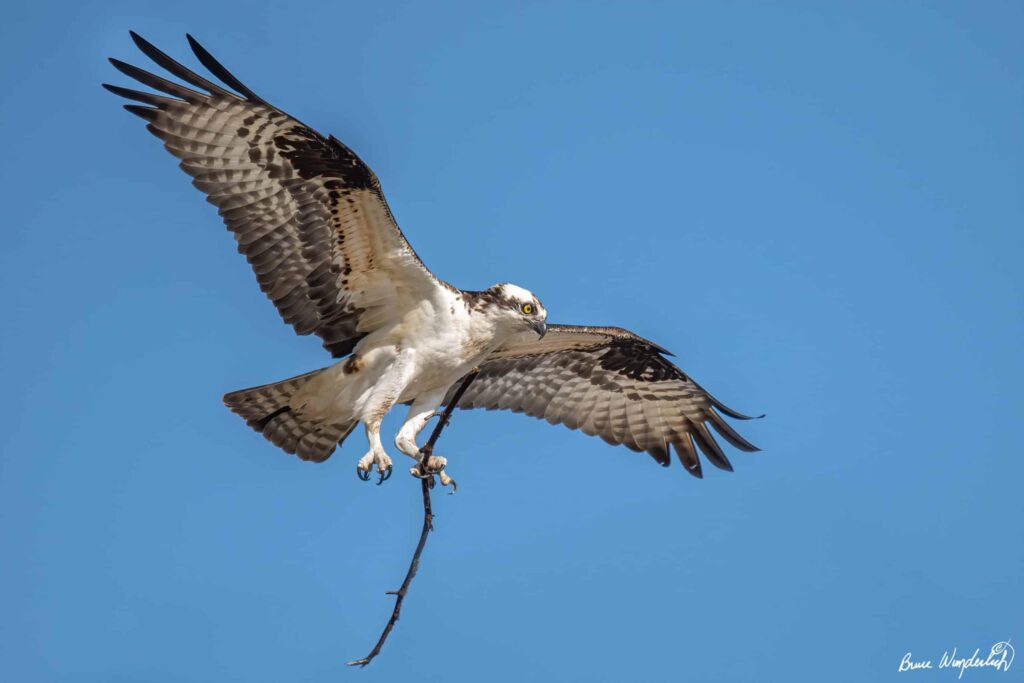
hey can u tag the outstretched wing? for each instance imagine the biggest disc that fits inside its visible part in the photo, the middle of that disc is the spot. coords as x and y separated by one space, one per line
610 383
307 213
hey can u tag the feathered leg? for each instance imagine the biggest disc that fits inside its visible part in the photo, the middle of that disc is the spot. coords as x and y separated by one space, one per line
380 399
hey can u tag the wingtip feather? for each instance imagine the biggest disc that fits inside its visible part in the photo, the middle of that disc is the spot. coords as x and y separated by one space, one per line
710 448
141 42
729 411
123 67
219 70
147 113
165 61
687 454
194 44
728 433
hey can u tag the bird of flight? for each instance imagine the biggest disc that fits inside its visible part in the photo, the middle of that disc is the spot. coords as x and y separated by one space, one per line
312 221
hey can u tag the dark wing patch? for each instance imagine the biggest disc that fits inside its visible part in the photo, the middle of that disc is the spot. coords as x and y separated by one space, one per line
611 383
306 212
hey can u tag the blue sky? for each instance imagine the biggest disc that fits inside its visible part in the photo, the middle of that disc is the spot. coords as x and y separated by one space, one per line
816 206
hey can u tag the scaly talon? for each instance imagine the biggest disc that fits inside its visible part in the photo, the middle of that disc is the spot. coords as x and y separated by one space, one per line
378 459
428 466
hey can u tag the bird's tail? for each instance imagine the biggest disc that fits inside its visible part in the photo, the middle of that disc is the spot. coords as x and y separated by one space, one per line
266 409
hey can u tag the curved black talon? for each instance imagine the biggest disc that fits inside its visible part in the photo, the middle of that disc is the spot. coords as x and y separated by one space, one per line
365 476
385 474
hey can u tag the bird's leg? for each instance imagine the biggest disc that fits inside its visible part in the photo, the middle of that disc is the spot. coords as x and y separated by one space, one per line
382 398
375 456
420 413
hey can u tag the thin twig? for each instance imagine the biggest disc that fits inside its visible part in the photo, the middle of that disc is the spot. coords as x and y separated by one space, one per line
426 483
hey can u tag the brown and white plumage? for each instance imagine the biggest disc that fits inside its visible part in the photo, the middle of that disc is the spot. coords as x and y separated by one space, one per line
607 382
312 220
267 410
307 213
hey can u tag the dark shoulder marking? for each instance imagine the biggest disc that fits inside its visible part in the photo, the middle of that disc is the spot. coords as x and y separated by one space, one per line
478 301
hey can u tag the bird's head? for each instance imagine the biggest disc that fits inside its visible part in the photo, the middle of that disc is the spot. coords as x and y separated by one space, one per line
516 309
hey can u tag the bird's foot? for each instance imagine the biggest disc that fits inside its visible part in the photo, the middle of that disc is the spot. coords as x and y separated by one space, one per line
435 464
367 463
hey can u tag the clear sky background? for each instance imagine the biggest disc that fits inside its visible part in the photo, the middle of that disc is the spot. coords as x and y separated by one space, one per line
818 207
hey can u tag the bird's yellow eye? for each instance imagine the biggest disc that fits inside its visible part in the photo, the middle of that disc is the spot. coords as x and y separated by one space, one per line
527 309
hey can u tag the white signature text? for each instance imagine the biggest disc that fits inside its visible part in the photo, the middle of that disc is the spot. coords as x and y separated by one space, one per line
999 657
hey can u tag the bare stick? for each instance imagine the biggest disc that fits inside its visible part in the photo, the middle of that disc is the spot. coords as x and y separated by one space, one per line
426 483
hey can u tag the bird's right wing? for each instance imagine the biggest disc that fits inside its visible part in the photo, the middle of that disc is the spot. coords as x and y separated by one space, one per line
307 213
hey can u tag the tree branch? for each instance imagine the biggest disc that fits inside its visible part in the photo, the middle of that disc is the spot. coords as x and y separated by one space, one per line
426 483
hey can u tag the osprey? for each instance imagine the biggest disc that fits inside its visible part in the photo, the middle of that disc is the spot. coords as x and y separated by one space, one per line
312 220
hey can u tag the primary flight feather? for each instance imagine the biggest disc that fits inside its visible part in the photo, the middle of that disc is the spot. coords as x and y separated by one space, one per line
312 220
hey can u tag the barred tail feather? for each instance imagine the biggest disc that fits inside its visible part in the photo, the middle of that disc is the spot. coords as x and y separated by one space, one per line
266 410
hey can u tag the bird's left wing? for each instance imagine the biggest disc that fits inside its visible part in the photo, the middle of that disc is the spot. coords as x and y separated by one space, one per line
307 213
610 383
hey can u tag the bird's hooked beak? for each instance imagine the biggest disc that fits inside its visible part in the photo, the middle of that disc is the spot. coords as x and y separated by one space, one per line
540 327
